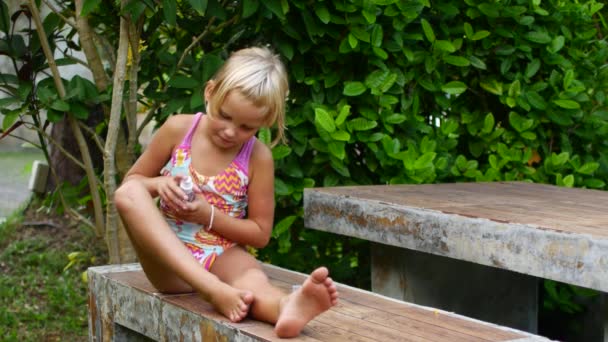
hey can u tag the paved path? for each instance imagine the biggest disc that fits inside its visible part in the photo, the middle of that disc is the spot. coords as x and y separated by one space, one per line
16 165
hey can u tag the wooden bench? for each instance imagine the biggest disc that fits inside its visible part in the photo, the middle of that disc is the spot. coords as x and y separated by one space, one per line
478 249
123 306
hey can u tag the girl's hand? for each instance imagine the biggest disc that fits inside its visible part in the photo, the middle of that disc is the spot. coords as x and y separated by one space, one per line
170 193
197 211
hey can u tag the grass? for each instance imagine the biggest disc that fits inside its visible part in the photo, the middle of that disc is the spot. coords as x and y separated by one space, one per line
41 300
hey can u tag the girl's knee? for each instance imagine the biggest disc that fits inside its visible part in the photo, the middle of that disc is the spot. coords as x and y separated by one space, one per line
252 276
123 196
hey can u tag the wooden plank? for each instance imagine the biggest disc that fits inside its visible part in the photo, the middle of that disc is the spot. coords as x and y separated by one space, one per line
405 317
551 207
545 231
360 316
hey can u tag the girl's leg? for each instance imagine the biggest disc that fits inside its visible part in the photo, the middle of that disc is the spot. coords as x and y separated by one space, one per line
165 259
289 312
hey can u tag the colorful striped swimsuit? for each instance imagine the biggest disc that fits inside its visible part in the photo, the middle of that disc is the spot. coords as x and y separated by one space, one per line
226 191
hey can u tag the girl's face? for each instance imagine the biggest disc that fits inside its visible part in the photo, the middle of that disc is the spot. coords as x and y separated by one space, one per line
236 122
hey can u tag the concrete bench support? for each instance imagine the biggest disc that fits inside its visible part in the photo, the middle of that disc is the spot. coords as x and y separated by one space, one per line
123 306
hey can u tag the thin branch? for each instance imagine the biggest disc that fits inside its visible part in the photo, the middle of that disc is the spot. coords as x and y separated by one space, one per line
57 145
98 140
80 217
195 41
24 139
68 21
82 144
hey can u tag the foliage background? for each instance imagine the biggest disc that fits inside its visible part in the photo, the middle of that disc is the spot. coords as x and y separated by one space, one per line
382 92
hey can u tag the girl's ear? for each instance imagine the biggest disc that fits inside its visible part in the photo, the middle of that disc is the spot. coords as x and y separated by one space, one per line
209 90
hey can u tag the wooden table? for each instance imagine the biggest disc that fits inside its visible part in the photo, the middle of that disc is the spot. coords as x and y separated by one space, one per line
474 248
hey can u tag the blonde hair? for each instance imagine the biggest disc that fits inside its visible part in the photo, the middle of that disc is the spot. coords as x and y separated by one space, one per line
258 75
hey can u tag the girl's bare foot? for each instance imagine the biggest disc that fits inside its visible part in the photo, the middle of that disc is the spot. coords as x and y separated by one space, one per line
317 294
230 302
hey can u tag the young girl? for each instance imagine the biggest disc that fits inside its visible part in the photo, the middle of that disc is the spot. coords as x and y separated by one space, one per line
200 245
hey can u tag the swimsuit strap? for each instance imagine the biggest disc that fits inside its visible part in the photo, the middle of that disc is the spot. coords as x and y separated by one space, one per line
188 138
242 158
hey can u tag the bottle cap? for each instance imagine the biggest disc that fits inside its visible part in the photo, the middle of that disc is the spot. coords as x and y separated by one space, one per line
186 183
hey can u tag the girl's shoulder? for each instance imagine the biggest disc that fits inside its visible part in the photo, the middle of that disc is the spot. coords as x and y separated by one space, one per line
261 157
175 128
179 122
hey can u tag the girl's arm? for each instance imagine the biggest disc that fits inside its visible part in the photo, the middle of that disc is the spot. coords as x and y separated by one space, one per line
147 167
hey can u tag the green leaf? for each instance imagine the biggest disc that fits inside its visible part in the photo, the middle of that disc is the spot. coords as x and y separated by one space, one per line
454 87
275 7
60 106
5 19
199 5
588 168
559 159
281 188
352 41
569 181
488 123
468 30
456 60
7 101
567 104
519 122
340 136
250 7
478 63
479 35
428 30
377 36
282 226
280 151
211 64
183 82
361 124
532 68
536 100
354 88
514 88
336 148
528 135
323 119
595 183
425 160
395 119
526 20
557 44
492 86
444 45
538 37
323 14
380 52
264 135
9 120
342 115
89 6
490 10
568 78
170 11
79 110
369 16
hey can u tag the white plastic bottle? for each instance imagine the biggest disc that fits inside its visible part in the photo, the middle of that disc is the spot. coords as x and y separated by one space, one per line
188 187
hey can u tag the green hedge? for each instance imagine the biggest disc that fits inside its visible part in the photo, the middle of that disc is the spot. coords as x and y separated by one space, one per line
389 92
382 92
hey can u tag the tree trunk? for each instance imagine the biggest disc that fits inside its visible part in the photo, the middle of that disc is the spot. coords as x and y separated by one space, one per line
66 169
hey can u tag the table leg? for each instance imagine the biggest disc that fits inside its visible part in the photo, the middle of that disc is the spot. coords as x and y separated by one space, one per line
486 293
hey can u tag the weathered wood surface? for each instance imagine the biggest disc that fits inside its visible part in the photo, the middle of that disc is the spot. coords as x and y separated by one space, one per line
123 296
542 230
